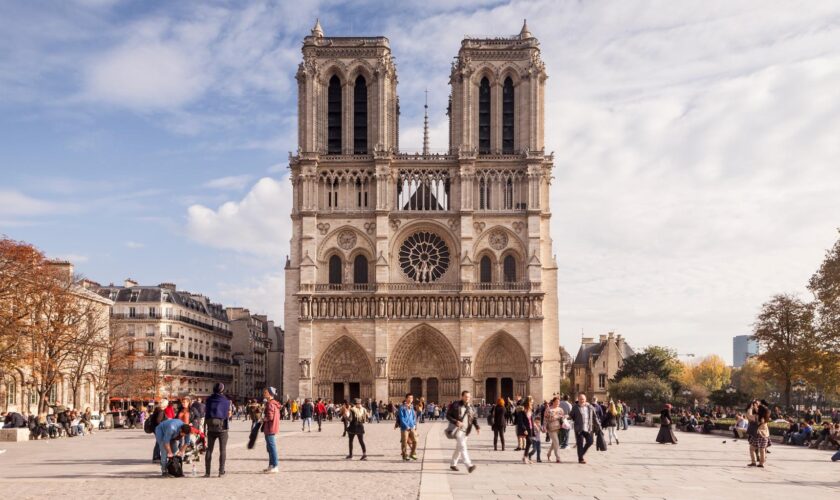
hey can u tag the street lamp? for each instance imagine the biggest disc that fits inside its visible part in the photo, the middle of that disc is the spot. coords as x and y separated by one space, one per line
799 389
648 394
686 394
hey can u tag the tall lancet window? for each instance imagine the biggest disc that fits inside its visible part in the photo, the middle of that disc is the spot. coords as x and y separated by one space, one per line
334 116
360 116
507 116
484 116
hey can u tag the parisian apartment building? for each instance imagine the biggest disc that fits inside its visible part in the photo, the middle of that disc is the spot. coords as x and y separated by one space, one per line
251 345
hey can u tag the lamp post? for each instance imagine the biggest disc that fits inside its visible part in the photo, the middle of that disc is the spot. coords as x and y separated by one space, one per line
648 395
799 389
687 395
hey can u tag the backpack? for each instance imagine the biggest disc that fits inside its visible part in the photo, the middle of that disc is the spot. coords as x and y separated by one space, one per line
175 466
149 426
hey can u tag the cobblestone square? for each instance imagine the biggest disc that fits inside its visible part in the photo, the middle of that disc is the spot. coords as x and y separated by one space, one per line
118 463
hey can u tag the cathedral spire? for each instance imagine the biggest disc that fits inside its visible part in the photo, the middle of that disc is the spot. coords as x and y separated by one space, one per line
524 33
426 125
317 31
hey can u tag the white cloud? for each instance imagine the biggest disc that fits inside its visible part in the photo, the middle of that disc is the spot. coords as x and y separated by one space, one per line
233 182
73 258
14 203
134 245
262 294
259 224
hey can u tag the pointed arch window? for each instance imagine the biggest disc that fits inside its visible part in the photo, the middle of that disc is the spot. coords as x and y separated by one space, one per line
360 269
334 116
484 116
509 265
335 270
507 116
360 116
485 270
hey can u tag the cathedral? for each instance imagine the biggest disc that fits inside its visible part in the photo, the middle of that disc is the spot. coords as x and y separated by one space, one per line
418 272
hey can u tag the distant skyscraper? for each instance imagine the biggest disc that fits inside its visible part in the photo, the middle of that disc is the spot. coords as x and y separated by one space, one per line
743 347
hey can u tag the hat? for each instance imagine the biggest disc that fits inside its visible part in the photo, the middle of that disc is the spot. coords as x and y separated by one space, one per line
218 388
272 391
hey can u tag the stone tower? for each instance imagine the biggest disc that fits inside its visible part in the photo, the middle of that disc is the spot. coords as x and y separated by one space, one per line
414 271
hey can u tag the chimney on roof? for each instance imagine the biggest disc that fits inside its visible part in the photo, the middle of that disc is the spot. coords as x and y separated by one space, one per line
169 286
128 283
63 267
603 338
587 340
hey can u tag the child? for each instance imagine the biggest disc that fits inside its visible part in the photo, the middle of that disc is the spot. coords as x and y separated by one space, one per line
535 439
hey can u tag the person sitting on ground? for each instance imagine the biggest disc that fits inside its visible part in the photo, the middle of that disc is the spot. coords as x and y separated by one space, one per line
803 437
708 425
793 428
739 430
821 436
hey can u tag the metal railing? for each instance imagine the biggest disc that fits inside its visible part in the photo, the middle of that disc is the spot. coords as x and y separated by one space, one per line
519 286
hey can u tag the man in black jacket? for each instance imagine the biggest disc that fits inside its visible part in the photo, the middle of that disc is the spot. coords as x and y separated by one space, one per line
587 424
462 419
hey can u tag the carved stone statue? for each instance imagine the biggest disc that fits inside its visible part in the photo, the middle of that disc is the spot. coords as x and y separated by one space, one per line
304 368
536 366
466 367
381 367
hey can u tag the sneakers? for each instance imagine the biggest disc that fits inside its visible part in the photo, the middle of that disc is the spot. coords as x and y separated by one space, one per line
348 457
452 467
413 457
271 470
364 457
471 468
405 459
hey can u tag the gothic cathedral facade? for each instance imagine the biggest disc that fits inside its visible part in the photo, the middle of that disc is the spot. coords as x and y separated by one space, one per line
417 272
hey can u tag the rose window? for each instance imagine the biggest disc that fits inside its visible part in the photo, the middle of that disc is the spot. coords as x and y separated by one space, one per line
424 257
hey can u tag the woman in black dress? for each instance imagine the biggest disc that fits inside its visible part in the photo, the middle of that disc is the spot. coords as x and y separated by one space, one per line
499 419
666 431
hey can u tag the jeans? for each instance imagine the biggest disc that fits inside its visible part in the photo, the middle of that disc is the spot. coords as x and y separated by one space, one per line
564 438
374 415
537 448
461 452
582 448
271 447
408 440
835 457
211 443
307 421
611 434
319 419
156 451
163 458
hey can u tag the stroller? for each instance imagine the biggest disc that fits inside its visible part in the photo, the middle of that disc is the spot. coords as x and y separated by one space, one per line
196 448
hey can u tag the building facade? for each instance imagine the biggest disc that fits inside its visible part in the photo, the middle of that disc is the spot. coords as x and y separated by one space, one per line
80 381
597 362
413 271
743 348
275 357
182 340
250 347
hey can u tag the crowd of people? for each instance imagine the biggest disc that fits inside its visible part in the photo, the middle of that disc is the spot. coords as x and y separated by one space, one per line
56 422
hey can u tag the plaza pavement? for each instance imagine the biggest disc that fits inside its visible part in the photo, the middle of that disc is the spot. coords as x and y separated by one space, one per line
117 464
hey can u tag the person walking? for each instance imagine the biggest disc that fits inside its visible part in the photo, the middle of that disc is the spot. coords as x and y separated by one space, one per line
499 424
320 412
216 424
666 431
271 427
407 423
566 406
525 430
307 410
611 421
759 416
462 419
553 419
356 427
586 425
345 417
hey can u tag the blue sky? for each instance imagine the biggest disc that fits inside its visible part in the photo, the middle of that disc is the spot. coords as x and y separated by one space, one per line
696 144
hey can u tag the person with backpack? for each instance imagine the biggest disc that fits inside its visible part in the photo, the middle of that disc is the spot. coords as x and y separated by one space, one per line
158 417
320 412
167 435
197 410
216 424
356 418
307 409
462 419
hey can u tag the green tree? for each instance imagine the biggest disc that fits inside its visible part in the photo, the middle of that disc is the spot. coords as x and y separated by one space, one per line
753 378
654 361
636 389
712 373
785 331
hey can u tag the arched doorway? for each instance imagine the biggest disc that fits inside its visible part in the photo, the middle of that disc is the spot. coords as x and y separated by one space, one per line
425 364
344 372
501 368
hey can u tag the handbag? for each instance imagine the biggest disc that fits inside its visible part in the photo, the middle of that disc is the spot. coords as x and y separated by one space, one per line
450 431
600 443
566 425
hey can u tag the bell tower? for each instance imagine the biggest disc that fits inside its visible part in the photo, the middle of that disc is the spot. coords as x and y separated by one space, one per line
347 95
498 95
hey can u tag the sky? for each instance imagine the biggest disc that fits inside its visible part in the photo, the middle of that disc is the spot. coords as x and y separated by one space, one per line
696 144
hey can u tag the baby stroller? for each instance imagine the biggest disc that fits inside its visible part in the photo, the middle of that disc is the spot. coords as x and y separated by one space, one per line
196 448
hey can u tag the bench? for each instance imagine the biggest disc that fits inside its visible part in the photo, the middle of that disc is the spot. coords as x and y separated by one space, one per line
14 434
